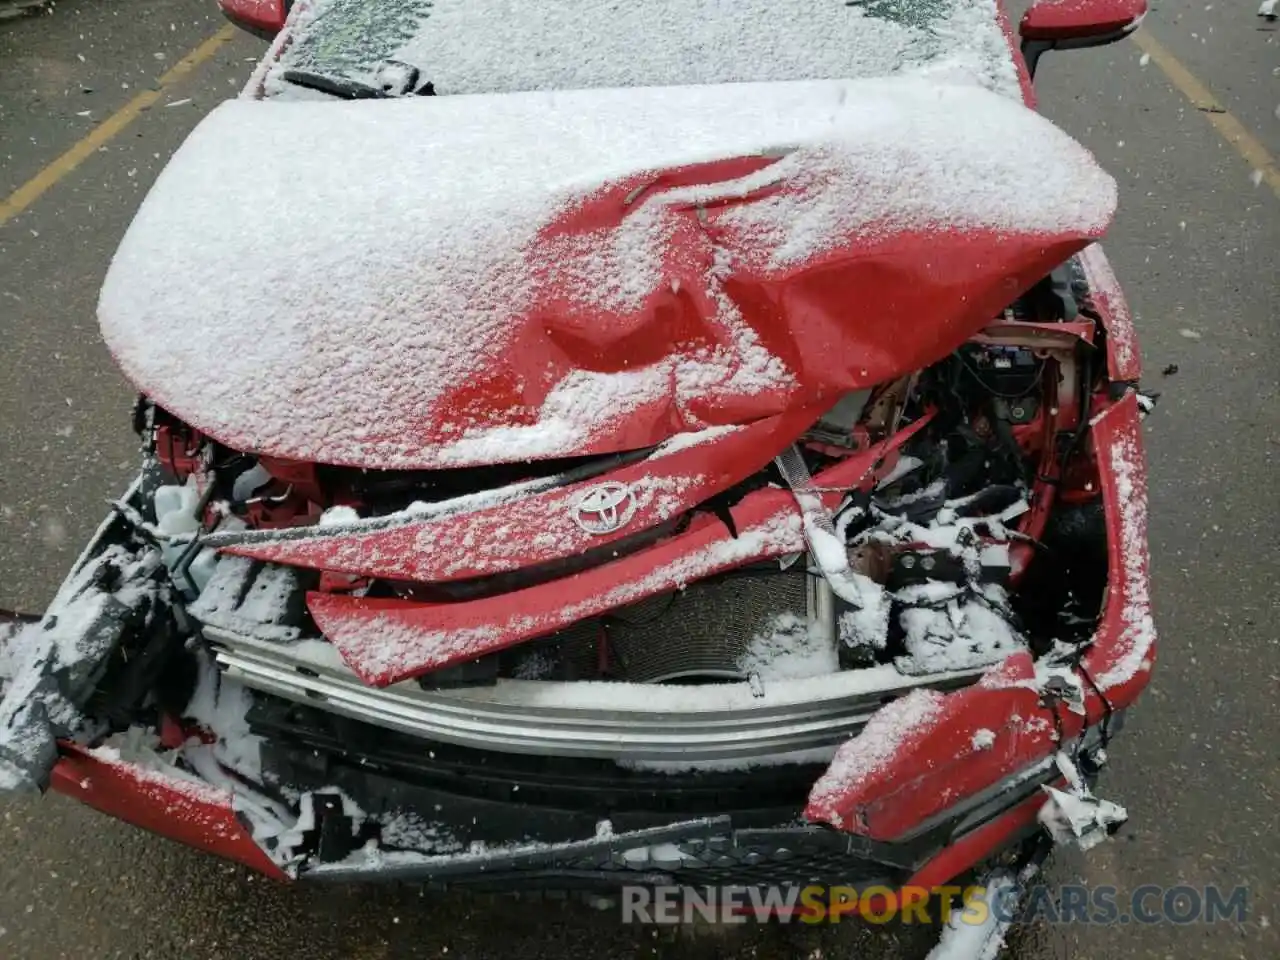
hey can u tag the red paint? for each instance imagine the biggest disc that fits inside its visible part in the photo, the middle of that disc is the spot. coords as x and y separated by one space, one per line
1124 359
177 449
1073 19
172 733
978 845
920 294
939 765
542 527
1122 637
259 16
948 864
197 814
430 636
1020 64
956 858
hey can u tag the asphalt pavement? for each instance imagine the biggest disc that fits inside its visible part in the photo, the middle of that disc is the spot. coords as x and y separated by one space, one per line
1197 246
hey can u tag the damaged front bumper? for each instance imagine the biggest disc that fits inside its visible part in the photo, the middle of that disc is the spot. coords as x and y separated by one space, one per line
714 850
116 591
917 792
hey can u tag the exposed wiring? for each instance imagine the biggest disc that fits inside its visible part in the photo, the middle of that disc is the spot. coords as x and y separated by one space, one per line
977 375
1086 363
1108 709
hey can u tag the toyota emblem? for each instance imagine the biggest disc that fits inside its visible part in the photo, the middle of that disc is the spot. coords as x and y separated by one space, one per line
605 508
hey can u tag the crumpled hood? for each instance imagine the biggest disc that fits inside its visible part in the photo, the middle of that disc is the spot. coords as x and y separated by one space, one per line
451 281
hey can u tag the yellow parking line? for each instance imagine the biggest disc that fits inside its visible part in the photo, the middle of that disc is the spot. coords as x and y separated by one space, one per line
1228 127
33 189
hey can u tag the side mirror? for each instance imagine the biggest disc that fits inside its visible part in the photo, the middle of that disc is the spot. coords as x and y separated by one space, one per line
1072 24
262 18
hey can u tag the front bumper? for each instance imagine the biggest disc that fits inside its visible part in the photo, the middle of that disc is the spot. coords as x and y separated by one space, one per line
709 851
942 798
198 815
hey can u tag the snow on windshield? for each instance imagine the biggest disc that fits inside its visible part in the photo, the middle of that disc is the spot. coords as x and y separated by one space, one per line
494 46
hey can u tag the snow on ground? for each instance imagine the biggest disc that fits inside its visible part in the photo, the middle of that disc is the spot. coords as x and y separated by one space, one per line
8 650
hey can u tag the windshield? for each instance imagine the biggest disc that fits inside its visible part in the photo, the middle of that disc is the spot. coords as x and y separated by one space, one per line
498 46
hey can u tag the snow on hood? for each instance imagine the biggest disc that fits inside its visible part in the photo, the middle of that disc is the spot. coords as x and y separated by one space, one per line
448 281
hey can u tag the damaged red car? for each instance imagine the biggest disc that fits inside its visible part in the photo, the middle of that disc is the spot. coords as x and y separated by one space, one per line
598 444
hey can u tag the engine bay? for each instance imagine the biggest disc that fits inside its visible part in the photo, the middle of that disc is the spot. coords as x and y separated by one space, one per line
977 530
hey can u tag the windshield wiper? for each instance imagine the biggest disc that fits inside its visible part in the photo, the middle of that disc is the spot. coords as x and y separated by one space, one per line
393 78
343 87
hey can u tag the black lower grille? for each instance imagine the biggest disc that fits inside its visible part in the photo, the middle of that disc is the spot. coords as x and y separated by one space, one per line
308 749
798 855
692 853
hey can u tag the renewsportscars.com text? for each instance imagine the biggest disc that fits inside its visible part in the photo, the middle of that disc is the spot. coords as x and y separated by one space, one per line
1060 903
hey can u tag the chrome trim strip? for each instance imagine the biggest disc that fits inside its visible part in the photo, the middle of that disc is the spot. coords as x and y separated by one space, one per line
522 716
